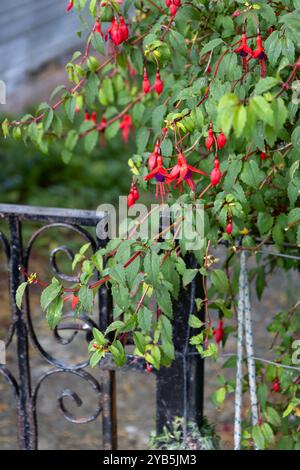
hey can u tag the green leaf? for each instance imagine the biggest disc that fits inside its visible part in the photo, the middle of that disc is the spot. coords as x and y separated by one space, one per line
219 280
211 45
262 395
50 293
188 276
268 433
144 319
114 326
258 437
142 138
139 341
90 141
99 337
54 312
152 267
226 111
86 298
158 117
239 120
70 107
20 293
296 138
96 357
264 222
262 109
251 174
265 84
272 416
118 353
195 322
163 299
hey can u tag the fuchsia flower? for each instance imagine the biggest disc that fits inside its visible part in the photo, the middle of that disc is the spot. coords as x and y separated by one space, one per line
183 172
70 5
118 32
244 50
160 174
219 332
74 300
125 126
261 56
158 85
146 82
97 28
216 175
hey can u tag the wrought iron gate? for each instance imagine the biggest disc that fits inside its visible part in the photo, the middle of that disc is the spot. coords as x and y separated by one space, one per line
179 388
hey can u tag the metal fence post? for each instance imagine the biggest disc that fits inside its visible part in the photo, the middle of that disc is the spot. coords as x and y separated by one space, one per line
180 387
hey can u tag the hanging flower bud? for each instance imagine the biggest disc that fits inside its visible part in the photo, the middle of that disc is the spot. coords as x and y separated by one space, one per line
229 227
130 200
173 9
219 333
125 126
98 27
263 156
209 142
168 3
149 368
221 140
94 117
115 32
70 5
123 29
215 176
135 193
87 117
146 82
276 385
158 85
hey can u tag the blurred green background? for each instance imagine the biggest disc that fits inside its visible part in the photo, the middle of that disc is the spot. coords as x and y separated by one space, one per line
29 177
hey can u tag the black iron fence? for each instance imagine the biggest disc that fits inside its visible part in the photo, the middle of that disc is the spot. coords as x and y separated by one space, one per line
179 388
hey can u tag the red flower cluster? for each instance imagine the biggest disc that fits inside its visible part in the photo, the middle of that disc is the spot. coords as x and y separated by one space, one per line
126 125
173 6
133 196
118 31
158 84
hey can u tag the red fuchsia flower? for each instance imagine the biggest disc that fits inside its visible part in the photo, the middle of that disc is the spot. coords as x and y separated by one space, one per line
221 140
263 156
146 82
152 161
229 227
124 29
209 142
133 195
149 368
87 116
182 171
244 50
219 332
160 174
261 56
158 85
74 300
94 117
216 175
125 126
115 32
276 386
168 3
103 124
70 5
97 28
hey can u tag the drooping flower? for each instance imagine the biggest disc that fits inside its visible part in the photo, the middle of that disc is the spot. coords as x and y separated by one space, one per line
221 140
97 28
244 50
74 300
183 172
124 29
158 85
152 160
216 175
209 142
219 333
261 56
70 5
125 126
146 82
115 32
160 174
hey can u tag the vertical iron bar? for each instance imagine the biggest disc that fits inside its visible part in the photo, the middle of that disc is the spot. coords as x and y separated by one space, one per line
26 427
185 377
107 377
